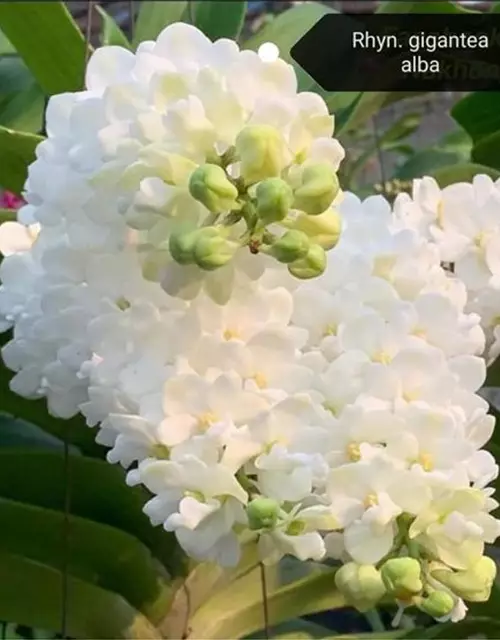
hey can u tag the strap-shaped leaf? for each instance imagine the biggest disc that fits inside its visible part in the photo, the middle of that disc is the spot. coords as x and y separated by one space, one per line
97 553
48 40
219 19
462 173
17 152
31 595
154 16
98 492
111 34
311 594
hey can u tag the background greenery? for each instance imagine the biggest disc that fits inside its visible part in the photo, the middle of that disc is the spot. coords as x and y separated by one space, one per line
104 568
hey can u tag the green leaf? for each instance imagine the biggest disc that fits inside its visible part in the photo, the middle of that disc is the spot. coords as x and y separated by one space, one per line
402 128
49 41
15 434
5 45
495 7
425 163
100 554
17 152
311 594
478 113
111 34
487 151
21 100
31 595
8 215
462 173
219 19
365 106
420 6
98 492
154 17
468 628
294 629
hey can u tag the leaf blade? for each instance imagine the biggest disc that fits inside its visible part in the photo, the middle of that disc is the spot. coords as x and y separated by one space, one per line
92 612
17 152
154 16
218 19
39 32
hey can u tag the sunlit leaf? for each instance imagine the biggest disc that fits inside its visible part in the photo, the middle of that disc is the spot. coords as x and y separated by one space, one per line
111 34
49 41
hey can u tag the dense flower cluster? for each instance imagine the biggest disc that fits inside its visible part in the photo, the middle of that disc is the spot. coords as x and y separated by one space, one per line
335 416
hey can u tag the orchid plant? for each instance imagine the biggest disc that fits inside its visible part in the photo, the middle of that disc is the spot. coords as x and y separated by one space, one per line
232 360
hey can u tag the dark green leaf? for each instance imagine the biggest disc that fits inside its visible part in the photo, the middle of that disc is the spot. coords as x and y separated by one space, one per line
219 19
487 151
49 41
468 628
21 99
154 17
8 215
478 113
111 34
17 151
98 492
15 434
462 173
31 594
100 554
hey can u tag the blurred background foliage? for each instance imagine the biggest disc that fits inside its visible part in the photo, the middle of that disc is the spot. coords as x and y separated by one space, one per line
110 574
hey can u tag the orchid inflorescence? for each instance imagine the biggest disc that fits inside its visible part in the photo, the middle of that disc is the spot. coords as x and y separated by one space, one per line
273 359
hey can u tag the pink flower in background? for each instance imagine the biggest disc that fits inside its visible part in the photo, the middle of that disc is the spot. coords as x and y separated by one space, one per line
9 200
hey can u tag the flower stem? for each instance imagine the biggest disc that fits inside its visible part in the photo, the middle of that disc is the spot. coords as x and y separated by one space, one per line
374 620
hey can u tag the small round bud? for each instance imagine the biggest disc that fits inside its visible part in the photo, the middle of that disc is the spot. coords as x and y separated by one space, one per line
323 229
319 187
262 513
274 199
212 250
361 585
181 246
312 266
292 246
210 185
473 584
262 152
401 577
437 604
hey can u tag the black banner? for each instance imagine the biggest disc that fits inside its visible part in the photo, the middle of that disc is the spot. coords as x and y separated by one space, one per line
402 52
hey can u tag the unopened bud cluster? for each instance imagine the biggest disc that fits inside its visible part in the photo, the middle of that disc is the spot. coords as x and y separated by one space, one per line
431 586
275 206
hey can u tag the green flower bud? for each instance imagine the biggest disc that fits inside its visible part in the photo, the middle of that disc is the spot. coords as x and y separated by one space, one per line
312 266
401 577
323 229
212 249
210 185
181 245
262 152
473 584
361 585
319 187
262 513
437 604
274 199
292 246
